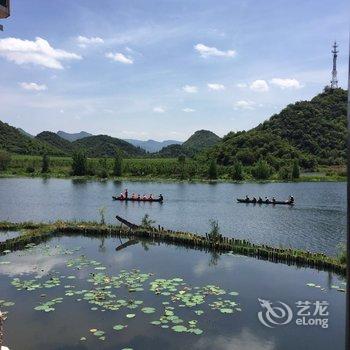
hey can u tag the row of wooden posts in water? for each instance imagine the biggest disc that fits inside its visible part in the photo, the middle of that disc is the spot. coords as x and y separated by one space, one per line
37 233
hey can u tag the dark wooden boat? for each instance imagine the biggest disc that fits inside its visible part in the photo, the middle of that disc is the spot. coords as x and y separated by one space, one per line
137 200
241 200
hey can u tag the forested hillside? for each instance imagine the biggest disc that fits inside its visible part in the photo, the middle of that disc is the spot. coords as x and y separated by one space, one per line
14 141
312 131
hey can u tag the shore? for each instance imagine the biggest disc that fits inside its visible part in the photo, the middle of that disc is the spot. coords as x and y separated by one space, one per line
151 178
35 233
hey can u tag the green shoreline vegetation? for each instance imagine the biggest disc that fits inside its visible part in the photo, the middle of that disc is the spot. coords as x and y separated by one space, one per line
34 233
157 169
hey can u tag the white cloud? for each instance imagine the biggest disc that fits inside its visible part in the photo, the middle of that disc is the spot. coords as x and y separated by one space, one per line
33 86
188 110
119 57
259 85
38 52
206 51
83 41
241 85
286 83
244 104
190 89
215 86
159 109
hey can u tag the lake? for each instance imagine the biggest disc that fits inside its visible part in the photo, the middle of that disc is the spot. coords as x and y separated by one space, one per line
317 222
79 293
72 268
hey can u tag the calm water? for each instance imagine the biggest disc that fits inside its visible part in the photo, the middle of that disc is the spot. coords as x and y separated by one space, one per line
317 222
27 329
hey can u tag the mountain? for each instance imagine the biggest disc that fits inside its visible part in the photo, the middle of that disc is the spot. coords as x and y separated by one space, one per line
152 146
73 137
14 141
106 146
23 132
314 131
200 141
56 141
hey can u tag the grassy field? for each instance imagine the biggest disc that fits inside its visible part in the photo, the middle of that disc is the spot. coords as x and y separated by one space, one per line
151 169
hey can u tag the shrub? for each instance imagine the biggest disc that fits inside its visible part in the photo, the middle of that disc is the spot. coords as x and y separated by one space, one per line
213 170
45 167
214 235
79 164
146 222
237 171
30 169
285 173
5 159
295 169
261 170
103 168
118 165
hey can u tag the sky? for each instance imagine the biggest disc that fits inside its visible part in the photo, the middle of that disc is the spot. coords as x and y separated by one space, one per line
152 69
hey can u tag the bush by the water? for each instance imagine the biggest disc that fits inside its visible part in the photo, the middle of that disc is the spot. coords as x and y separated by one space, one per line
79 164
5 159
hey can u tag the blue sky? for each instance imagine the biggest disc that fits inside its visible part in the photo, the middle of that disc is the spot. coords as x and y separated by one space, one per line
164 69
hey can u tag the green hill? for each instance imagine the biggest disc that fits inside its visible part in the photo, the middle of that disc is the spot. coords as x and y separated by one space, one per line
56 141
14 141
106 146
172 151
314 131
198 142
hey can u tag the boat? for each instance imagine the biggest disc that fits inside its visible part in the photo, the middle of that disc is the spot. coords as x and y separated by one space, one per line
241 200
129 199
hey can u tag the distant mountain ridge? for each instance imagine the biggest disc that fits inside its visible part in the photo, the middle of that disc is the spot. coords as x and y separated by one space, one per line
73 136
152 146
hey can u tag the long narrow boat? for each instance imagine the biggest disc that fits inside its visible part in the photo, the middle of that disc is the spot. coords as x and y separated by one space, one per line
241 200
160 200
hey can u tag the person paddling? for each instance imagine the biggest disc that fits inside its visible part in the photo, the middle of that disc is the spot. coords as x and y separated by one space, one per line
254 200
161 197
247 198
291 199
126 193
260 200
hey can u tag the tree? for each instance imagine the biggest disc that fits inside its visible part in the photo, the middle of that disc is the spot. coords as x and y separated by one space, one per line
295 169
147 222
103 168
79 165
5 159
213 170
237 171
261 170
182 160
214 235
118 164
45 167
285 173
